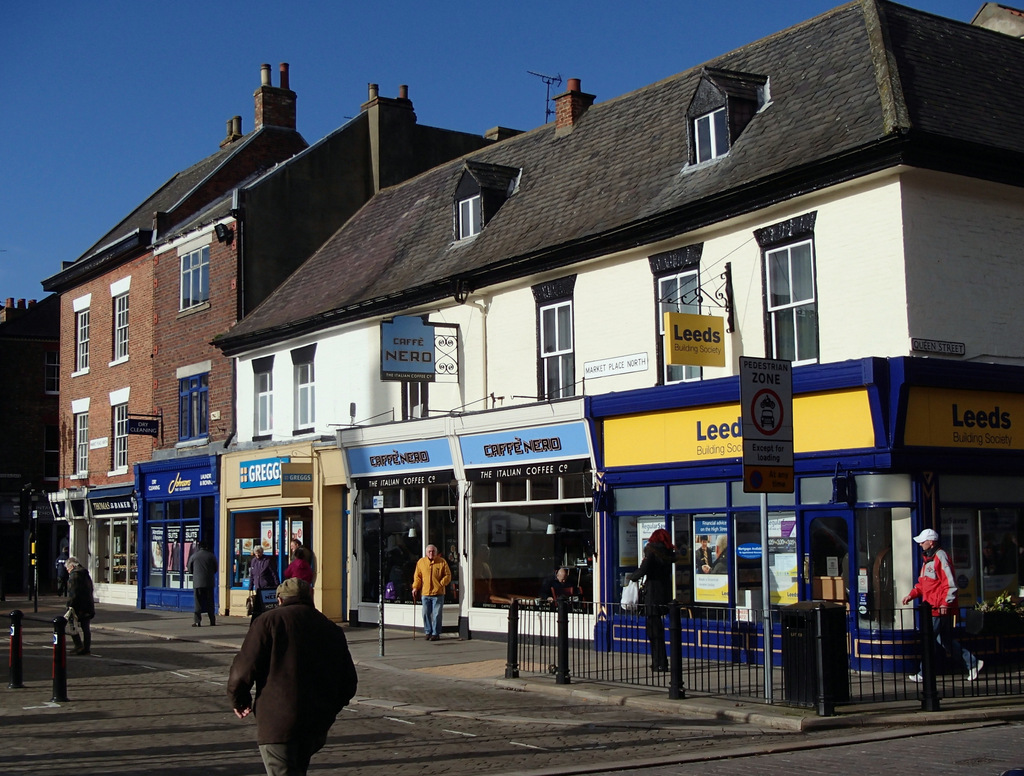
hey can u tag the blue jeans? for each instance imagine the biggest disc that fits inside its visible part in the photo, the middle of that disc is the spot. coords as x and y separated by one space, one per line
943 629
433 606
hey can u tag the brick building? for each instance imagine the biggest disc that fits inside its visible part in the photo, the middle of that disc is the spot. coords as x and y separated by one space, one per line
28 452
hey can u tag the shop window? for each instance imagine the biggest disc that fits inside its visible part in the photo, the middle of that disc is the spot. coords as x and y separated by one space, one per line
304 388
791 306
116 561
193 407
175 529
120 317
556 367
51 371
830 559
82 341
82 444
415 402
51 452
271 528
263 396
119 422
195 278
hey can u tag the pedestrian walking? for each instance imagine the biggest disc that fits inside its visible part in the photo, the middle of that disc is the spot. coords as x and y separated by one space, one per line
300 567
62 572
659 555
431 579
936 585
262 576
304 676
310 558
202 565
82 604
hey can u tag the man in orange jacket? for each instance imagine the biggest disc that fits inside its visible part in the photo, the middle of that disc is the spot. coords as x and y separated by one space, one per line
937 585
431 579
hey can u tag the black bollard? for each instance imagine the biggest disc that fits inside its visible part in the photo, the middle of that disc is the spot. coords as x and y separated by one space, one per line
512 642
16 665
60 662
562 643
675 652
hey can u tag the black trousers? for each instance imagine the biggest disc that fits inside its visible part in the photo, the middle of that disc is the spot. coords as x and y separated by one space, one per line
203 603
655 625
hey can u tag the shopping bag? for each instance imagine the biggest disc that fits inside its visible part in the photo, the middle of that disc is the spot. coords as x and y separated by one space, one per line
630 596
72 628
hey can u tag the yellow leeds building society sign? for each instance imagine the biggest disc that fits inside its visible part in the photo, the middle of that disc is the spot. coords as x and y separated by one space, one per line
941 417
694 340
839 420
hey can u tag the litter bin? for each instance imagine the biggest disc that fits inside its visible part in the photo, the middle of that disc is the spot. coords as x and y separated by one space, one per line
815 664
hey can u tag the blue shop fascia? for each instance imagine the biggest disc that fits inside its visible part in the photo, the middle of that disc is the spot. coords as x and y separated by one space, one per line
882 449
179 501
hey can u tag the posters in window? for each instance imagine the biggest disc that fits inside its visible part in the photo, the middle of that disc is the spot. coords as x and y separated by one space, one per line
712 586
267 536
784 581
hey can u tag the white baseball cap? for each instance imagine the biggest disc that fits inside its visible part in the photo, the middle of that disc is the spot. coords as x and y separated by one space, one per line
927 535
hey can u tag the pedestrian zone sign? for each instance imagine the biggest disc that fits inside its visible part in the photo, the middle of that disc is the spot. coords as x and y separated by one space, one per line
766 399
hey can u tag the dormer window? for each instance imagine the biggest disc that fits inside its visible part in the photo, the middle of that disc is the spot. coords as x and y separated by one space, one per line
482 190
470 217
711 135
722 107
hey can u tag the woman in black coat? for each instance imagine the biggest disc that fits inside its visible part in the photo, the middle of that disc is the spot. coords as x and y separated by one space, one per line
659 555
82 601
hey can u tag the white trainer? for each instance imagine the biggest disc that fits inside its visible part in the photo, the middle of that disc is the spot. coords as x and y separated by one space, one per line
975 670
915 678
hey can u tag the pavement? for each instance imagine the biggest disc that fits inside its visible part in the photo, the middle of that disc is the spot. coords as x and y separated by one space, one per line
407 653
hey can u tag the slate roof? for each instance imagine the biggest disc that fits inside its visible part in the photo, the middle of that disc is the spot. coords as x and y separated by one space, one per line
140 221
863 87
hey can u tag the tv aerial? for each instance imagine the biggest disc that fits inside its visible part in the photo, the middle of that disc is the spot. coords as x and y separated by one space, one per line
548 81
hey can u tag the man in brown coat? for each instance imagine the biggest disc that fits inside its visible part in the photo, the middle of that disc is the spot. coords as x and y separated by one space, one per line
303 672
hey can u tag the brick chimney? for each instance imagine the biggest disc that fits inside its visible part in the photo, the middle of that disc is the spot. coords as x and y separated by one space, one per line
275 106
570 106
234 131
392 125
11 311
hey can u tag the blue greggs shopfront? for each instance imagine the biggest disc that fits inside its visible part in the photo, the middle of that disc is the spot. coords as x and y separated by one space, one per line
178 507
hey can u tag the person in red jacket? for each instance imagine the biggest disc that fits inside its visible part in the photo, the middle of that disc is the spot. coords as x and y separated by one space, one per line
937 586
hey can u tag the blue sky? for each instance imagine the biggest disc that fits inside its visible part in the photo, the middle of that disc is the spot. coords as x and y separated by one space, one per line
104 101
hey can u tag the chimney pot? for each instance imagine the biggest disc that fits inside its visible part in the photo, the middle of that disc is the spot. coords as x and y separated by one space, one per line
236 125
372 89
31 302
264 75
284 75
570 106
9 302
403 92
21 304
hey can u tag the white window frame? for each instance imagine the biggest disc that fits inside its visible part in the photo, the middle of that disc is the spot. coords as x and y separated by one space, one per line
263 403
51 371
195 277
119 431
710 135
470 217
120 315
305 394
82 341
785 310
82 444
557 357
669 301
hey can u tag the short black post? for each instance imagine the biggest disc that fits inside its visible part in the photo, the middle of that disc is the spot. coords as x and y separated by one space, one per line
60 662
930 693
825 701
16 664
562 669
512 642
675 652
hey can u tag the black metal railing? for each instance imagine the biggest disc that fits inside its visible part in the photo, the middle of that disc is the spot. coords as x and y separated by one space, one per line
819 656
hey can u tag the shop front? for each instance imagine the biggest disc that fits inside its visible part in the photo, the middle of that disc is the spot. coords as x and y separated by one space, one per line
531 510
112 535
178 508
272 495
883 448
417 504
